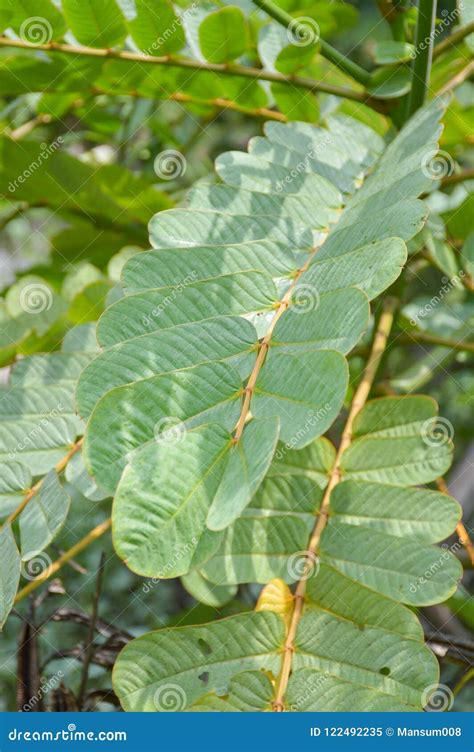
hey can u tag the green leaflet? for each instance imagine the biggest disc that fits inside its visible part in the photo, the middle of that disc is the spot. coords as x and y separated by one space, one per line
156 30
159 517
246 467
95 24
223 35
206 591
331 321
9 572
399 568
306 389
39 444
169 267
420 514
43 517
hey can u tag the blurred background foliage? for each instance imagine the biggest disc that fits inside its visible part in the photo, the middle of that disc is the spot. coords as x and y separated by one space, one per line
82 144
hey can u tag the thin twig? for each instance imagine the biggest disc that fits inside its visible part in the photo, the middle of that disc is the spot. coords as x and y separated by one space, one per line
175 62
461 531
264 346
446 45
90 645
295 26
378 348
458 79
458 177
434 339
91 536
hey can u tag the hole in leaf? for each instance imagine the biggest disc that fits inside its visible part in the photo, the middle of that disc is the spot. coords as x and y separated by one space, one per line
204 646
204 677
385 671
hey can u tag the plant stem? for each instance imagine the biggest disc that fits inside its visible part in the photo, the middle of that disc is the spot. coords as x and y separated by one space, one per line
264 346
458 79
258 74
433 339
461 531
421 68
458 177
457 36
361 395
327 50
91 536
